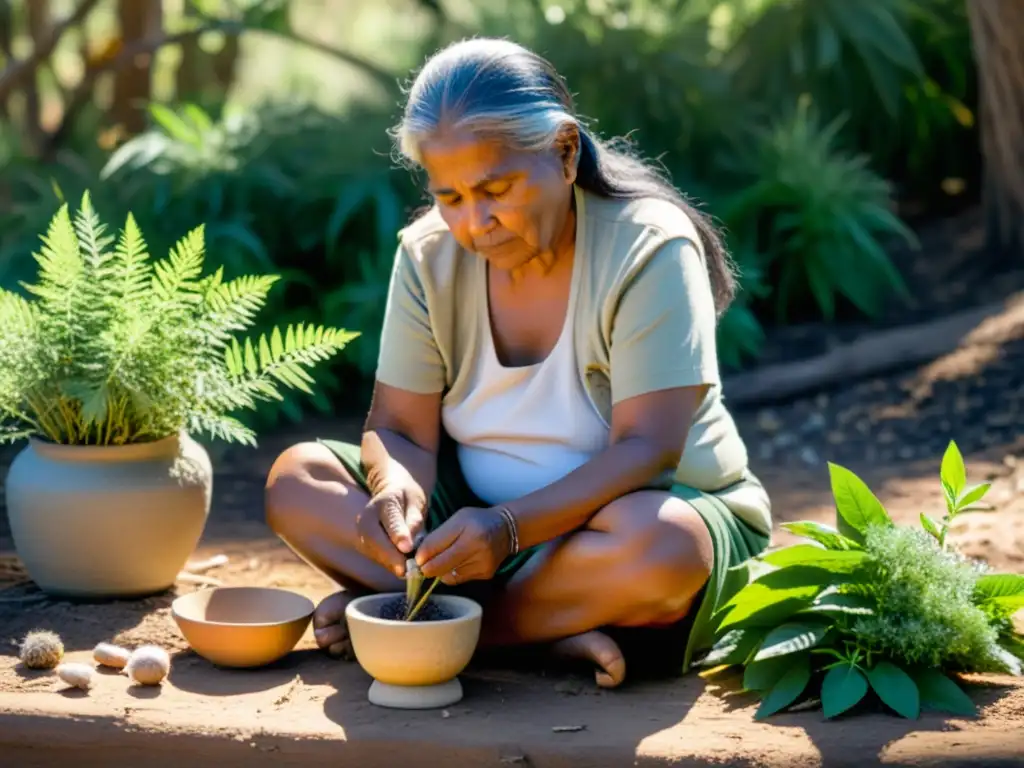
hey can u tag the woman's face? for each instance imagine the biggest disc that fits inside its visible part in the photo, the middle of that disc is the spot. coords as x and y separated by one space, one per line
505 205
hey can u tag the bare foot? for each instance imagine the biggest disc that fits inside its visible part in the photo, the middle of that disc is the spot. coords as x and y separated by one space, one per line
600 649
329 627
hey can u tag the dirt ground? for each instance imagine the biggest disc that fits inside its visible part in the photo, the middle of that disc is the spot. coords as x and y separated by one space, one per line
291 709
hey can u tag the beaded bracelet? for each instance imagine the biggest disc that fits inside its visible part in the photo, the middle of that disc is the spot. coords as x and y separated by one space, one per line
513 531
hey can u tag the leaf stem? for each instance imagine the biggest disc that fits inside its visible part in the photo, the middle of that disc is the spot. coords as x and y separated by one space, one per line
423 600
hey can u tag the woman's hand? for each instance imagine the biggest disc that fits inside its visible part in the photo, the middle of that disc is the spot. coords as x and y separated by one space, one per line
471 545
392 522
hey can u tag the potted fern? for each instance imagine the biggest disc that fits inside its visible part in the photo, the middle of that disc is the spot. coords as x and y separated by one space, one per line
870 611
109 366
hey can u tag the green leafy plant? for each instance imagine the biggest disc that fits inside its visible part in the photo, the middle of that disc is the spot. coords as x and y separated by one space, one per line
824 215
869 606
111 348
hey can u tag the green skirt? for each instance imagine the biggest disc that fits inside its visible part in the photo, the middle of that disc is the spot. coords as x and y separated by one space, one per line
649 651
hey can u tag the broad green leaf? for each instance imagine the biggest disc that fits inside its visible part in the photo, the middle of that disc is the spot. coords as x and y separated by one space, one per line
734 647
973 495
812 555
790 638
857 507
832 602
825 535
940 693
775 596
896 689
736 578
953 473
930 526
763 675
766 607
1001 593
787 688
995 585
842 688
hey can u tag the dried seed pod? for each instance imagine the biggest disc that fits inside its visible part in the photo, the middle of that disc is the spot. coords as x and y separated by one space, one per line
148 665
41 649
77 674
110 655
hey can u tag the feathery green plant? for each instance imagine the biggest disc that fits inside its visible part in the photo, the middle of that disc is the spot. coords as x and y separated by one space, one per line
869 606
111 348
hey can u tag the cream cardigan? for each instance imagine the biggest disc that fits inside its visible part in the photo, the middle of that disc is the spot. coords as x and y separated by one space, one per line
645 321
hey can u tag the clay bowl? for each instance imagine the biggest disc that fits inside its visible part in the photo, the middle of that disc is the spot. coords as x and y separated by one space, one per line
242 626
414 665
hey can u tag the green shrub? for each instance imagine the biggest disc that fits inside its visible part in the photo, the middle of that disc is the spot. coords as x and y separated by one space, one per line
113 348
867 605
823 216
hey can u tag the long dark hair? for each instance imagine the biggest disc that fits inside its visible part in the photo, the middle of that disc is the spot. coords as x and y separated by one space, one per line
497 88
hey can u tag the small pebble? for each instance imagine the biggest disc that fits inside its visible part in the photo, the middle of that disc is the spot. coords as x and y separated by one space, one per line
110 655
77 675
148 665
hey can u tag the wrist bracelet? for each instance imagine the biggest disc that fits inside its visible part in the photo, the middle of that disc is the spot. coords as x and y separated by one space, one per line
513 531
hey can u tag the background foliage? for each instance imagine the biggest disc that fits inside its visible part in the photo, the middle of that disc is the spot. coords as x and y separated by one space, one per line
808 128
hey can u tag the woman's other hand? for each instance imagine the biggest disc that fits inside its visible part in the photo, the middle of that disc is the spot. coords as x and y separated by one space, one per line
392 522
471 545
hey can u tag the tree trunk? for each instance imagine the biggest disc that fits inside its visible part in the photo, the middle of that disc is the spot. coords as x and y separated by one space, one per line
38 16
6 46
997 29
206 78
139 20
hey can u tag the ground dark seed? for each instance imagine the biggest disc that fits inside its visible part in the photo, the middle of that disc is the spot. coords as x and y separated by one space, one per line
394 610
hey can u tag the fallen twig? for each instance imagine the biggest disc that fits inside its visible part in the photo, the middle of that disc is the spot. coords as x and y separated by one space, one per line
202 566
195 578
881 352
23 599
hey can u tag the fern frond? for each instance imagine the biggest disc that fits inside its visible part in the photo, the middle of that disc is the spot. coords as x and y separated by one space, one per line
176 278
132 266
93 240
21 369
284 360
61 268
17 315
221 427
233 306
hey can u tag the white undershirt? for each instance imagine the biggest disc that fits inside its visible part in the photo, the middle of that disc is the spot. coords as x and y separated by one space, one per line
522 428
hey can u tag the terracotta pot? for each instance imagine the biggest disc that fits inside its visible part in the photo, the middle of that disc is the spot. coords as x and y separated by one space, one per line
414 664
108 521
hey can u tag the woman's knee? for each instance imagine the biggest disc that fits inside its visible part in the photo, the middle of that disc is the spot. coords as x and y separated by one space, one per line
296 470
667 545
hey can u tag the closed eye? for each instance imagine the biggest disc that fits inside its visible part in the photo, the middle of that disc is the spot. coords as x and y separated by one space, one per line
499 189
449 200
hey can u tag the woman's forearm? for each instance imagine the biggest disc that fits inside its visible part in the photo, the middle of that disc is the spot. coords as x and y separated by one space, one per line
388 455
567 504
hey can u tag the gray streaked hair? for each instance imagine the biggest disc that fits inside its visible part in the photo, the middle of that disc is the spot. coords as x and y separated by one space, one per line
500 90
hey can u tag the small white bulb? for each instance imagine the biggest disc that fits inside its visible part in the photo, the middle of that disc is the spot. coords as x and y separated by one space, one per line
148 665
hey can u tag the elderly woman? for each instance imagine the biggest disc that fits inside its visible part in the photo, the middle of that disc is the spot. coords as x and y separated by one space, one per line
547 420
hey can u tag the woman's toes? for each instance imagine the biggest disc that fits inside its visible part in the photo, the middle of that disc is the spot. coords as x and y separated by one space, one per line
342 650
601 650
328 637
329 628
331 610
